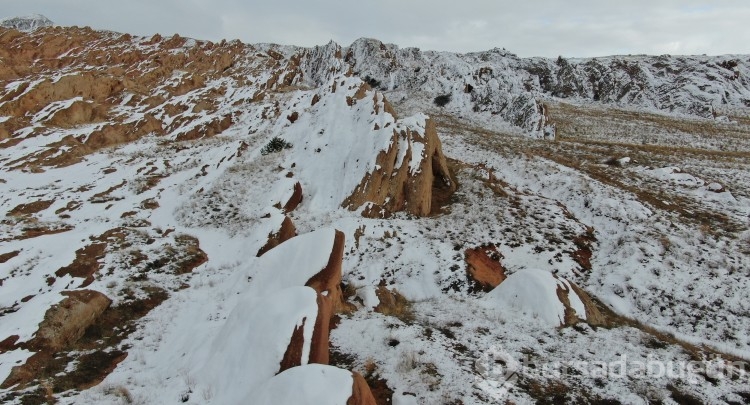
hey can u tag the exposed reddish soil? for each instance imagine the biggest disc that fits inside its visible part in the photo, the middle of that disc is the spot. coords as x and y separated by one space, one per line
31 208
31 232
583 254
7 256
86 263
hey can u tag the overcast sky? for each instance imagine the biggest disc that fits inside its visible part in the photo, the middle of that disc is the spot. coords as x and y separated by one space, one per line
527 28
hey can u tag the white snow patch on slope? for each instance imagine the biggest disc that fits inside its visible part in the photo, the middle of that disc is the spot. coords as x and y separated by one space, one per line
295 261
250 346
313 384
534 293
52 108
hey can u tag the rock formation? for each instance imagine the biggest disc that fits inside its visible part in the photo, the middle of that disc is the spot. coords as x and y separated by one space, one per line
26 23
285 232
544 296
62 326
408 185
484 267
328 281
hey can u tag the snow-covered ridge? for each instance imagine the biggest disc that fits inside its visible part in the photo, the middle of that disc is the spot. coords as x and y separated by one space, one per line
502 84
499 86
26 23
141 169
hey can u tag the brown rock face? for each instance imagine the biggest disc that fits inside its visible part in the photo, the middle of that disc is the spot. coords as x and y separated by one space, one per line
293 354
484 267
295 200
286 232
390 189
593 315
87 77
361 394
62 326
328 281
65 323
80 112
319 350
330 299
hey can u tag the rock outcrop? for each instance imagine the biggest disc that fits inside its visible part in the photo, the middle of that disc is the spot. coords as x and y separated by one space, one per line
313 384
411 184
62 326
361 156
284 233
295 199
483 266
328 281
361 393
547 297
116 85
293 296
65 323
500 84
26 23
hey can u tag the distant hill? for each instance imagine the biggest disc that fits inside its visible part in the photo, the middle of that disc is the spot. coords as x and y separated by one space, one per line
26 23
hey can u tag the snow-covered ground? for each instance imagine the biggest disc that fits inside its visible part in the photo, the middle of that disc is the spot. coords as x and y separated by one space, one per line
667 227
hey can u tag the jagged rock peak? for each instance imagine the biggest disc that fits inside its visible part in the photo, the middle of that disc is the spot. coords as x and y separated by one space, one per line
26 23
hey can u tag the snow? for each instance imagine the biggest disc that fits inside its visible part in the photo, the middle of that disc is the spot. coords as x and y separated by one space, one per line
653 264
403 399
533 293
53 108
282 191
314 384
294 263
336 145
27 23
11 359
248 349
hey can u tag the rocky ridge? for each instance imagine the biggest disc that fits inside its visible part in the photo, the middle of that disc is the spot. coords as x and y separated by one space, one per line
178 209
26 23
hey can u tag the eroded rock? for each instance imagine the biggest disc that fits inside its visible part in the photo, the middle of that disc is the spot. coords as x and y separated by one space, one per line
483 266
545 297
412 185
62 326
285 232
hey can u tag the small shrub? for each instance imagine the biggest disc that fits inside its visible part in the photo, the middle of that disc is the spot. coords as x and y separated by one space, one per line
119 391
275 145
442 100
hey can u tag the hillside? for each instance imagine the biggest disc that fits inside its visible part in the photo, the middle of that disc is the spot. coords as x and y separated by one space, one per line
197 222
